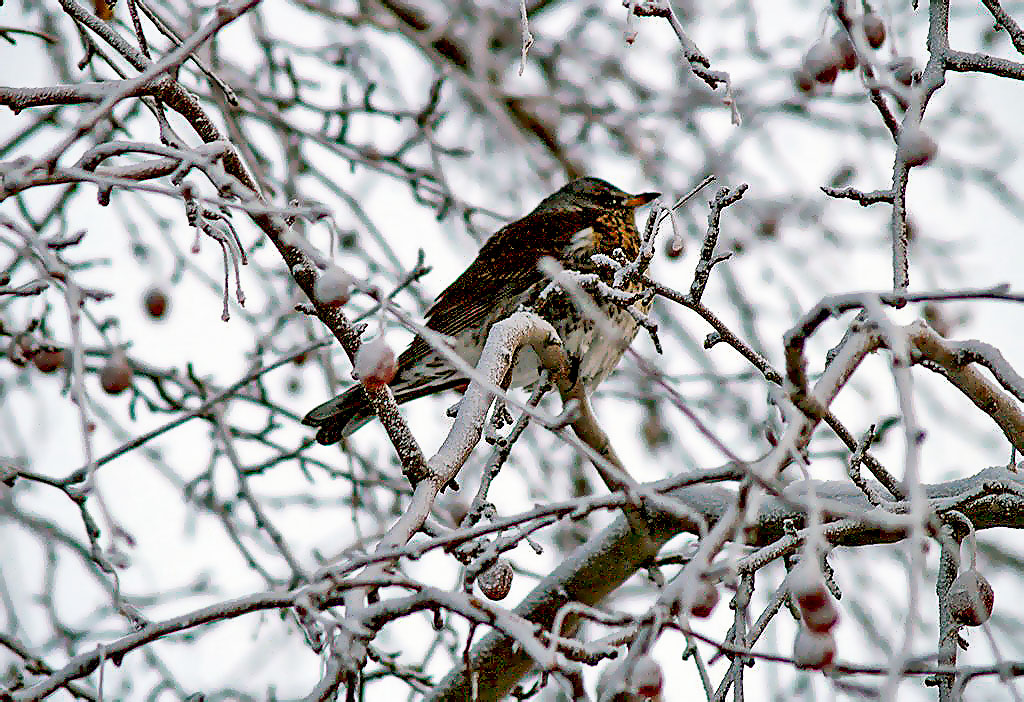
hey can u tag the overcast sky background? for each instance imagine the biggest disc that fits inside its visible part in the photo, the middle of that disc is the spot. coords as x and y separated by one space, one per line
985 243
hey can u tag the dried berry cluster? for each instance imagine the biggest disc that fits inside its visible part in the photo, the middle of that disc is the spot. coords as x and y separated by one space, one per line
824 61
827 57
814 646
116 373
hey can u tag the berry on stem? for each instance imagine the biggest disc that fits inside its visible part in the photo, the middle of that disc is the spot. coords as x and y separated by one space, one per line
375 363
971 598
49 360
156 302
874 29
822 61
496 581
116 376
843 46
333 287
915 147
813 651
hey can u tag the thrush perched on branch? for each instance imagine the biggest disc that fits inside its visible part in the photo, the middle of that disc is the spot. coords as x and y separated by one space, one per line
586 217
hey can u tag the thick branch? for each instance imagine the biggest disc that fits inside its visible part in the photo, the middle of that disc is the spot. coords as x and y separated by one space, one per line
612 556
954 364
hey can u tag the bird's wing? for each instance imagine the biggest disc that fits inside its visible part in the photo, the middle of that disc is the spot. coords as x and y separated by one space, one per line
505 266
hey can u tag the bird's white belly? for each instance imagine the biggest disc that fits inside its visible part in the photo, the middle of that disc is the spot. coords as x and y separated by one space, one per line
597 360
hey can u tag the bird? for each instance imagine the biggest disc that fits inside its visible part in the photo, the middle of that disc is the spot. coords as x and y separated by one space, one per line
587 216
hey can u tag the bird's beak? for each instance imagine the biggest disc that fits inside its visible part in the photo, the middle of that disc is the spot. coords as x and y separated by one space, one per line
641 199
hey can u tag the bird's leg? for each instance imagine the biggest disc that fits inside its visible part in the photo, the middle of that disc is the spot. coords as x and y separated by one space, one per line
507 380
500 415
454 409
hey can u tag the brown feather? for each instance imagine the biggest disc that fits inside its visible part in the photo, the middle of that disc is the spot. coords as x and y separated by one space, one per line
505 267
504 275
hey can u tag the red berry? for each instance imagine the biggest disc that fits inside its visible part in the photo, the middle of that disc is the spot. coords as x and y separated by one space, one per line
822 619
333 287
496 581
704 600
813 651
822 61
155 302
874 30
674 247
22 349
375 363
116 376
915 147
646 678
807 587
843 46
804 80
971 599
49 360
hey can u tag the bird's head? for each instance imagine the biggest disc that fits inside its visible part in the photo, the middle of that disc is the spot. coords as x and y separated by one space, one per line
594 193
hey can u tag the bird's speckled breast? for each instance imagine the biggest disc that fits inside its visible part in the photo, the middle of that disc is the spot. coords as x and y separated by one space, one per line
582 337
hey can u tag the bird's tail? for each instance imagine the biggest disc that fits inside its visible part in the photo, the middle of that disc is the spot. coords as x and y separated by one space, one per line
343 414
339 416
